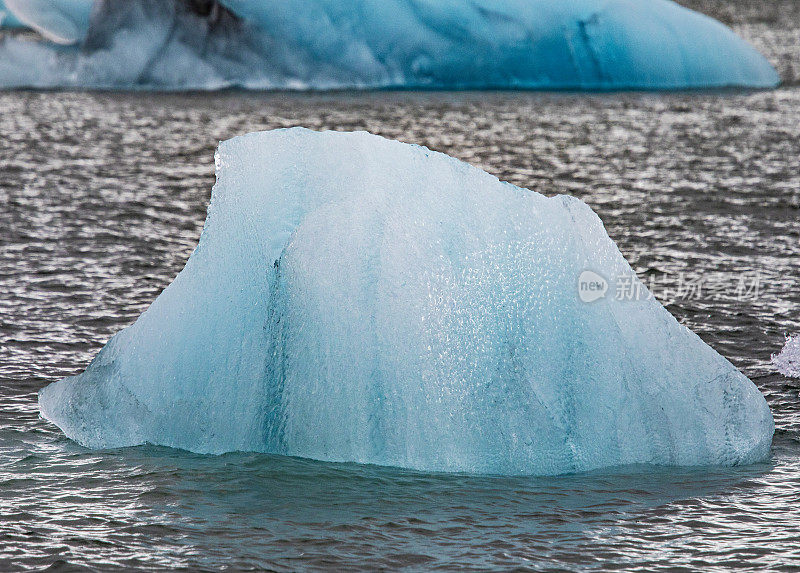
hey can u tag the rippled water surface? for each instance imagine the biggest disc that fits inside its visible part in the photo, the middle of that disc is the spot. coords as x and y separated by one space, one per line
103 197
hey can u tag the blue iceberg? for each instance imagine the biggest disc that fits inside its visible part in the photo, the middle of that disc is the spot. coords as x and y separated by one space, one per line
355 299
433 44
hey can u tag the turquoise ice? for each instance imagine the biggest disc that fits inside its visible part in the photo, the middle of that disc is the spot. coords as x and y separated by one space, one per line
436 44
355 299
7 18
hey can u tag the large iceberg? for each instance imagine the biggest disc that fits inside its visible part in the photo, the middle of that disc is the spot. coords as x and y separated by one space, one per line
299 44
356 299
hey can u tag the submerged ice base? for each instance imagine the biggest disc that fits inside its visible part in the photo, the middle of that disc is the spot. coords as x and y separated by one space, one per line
356 299
323 44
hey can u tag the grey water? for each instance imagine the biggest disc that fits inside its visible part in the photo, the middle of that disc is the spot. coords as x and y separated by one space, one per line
103 197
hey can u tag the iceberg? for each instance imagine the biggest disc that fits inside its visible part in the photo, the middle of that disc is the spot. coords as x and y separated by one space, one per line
787 362
356 299
424 44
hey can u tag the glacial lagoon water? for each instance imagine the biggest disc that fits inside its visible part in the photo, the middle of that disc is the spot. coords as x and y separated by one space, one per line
700 191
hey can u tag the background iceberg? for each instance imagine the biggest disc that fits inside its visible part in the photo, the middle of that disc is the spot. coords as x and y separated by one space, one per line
358 299
297 44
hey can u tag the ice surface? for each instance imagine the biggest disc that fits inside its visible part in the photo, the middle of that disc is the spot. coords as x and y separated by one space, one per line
788 361
298 44
7 18
61 21
357 299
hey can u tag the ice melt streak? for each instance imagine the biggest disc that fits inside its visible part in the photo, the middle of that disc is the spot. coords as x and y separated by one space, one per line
357 299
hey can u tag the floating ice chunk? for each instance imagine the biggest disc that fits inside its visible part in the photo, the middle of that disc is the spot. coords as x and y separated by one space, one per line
61 21
479 44
788 361
357 299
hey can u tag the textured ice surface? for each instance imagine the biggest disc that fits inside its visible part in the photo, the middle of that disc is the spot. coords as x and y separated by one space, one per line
7 18
788 361
536 44
61 21
357 299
